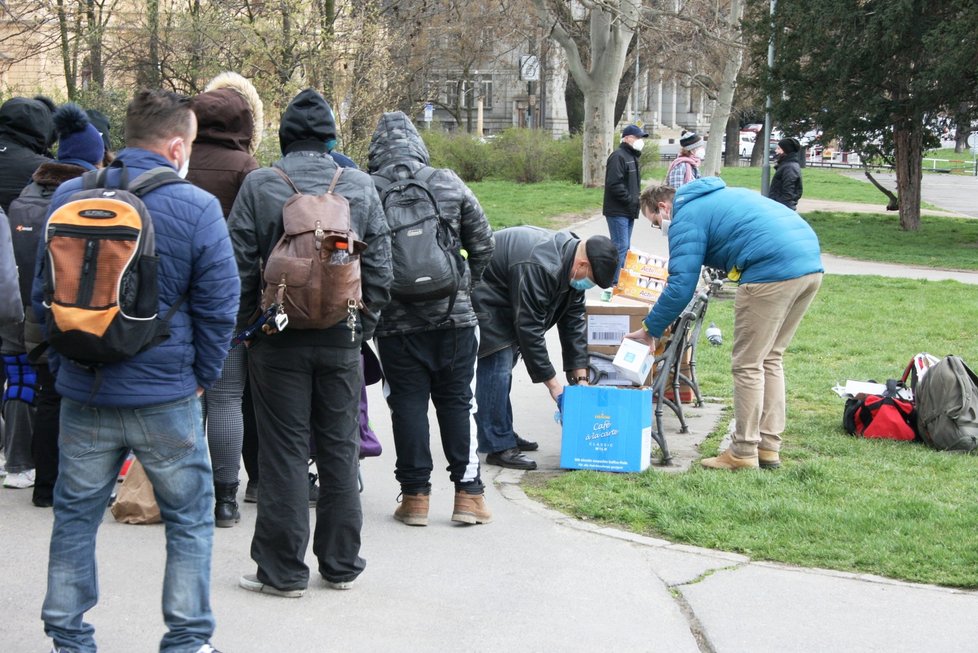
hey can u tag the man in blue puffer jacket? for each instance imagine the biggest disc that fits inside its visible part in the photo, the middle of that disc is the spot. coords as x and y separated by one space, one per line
149 403
774 255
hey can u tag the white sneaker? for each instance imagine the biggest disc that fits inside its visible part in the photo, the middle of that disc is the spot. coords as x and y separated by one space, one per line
207 648
20 480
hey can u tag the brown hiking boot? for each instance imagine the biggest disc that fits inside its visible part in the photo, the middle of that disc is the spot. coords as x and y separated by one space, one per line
768 459
728 461
471 509
413 510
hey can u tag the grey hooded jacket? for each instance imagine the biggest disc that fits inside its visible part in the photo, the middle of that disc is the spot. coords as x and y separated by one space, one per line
397 142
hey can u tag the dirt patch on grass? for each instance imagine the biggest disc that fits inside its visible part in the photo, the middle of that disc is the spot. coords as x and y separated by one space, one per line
565 220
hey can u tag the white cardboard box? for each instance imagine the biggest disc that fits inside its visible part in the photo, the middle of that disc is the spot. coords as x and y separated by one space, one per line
634 360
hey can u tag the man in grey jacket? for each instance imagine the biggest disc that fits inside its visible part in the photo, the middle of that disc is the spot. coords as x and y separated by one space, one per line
428 349
306 382
536 280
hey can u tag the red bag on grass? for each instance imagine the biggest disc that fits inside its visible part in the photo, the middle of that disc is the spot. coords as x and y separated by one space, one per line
881 416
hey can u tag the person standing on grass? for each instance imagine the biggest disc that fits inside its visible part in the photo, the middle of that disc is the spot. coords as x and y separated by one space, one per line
622 186
786 185
774 255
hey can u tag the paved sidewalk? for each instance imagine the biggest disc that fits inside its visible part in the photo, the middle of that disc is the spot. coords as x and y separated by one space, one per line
533 580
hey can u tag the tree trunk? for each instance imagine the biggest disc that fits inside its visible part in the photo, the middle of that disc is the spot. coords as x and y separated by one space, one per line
728 85
150 77
894 203
909 151
732 136
95 45
575 106
599 109
66 60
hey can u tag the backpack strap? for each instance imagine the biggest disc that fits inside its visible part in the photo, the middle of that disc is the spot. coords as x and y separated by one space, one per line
153 179
336 178
288 180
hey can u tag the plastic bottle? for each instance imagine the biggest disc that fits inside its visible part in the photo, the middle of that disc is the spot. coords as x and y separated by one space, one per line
341 254
713 334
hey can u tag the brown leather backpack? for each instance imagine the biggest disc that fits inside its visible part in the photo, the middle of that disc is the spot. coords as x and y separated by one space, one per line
316 283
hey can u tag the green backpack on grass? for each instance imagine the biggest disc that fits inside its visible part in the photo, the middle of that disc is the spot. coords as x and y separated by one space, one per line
947 406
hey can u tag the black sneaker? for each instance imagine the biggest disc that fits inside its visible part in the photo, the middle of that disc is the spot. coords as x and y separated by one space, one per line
526 445
251 492
511 458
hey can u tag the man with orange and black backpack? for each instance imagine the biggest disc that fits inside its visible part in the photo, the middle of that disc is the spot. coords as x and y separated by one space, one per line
147 401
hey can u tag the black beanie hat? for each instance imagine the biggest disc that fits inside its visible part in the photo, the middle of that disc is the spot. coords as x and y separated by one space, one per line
306 124
789 145
602 255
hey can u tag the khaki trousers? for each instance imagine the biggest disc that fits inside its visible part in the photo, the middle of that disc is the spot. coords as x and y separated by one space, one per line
766 316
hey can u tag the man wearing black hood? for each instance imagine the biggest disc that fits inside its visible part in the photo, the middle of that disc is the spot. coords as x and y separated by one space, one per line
25 134
786 184
306 382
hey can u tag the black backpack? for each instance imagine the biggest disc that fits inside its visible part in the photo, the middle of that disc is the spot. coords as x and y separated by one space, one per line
27 216
425 248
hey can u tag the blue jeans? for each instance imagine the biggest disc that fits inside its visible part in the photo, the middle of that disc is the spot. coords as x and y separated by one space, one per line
620 231
494 411
169 441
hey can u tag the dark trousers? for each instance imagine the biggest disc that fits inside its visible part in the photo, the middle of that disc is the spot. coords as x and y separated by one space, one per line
298 392
438 365
44 446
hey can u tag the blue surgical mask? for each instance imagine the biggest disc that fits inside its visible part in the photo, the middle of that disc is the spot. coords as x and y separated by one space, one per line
582 284
330 144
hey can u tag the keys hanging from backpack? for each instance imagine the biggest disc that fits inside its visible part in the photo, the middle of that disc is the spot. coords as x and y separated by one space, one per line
883 416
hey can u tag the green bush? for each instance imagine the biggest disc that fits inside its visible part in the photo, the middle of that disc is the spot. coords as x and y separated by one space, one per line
522 155
566 159
467 155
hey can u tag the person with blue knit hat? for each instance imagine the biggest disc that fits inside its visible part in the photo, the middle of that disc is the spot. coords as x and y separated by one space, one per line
34 445
79 142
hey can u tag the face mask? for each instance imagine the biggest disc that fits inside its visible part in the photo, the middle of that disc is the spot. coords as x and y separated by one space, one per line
638 144
582 284
331 145
185 166
665 227
700 152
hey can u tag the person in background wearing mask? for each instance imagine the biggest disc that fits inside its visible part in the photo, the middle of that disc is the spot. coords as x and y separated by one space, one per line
686 167
535 280
786 184
774 255
622 186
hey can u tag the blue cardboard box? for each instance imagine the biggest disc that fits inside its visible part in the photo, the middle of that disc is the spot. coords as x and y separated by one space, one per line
606 428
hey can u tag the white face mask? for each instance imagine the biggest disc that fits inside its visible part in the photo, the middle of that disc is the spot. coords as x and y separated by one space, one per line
665 227
638 144
185 166
699 152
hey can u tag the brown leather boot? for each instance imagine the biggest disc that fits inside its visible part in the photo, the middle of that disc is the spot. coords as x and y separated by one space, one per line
471 509
413 510
728 461
768 459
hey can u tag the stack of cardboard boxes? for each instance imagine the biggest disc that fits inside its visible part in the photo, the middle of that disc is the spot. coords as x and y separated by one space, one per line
640 284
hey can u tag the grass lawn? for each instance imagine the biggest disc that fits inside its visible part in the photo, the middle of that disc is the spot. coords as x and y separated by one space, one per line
950 243
509 204
896 509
